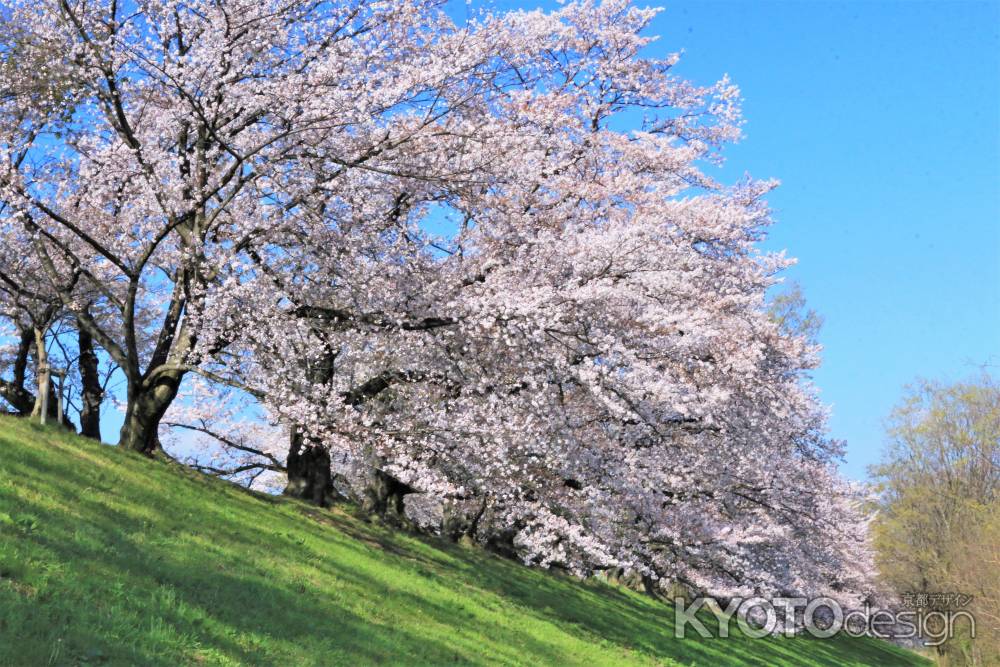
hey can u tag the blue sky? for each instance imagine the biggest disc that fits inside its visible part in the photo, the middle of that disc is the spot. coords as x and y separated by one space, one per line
882 121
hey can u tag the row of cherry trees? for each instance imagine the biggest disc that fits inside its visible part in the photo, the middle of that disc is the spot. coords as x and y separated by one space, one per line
382 253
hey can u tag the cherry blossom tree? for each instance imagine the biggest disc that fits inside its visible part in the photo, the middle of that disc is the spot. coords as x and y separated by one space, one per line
581 369
585 369
194 128
41 331
38 323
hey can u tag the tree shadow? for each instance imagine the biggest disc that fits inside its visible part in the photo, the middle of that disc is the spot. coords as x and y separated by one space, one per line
106 558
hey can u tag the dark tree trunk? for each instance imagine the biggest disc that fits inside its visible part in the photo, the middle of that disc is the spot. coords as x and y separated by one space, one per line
309 475
146 406
22 400
308 465
632 580
21 360
461 519
91 394
384 497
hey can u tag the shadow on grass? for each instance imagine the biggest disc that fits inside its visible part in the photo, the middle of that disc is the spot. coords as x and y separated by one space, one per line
106 558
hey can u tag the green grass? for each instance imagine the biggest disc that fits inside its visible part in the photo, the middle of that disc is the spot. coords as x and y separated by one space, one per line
106 558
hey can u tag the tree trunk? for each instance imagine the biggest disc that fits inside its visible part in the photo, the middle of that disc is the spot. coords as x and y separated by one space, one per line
146 406
21 360
91 393
309 475
384 497
308 465
461 519
22 400
41 373
630 579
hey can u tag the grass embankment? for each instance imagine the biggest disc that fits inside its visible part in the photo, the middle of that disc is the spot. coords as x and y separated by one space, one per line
106 558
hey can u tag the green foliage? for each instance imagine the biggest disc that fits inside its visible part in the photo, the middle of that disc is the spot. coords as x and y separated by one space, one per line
938 528
109 559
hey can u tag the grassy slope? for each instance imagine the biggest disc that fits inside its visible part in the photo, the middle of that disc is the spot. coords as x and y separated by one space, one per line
109 559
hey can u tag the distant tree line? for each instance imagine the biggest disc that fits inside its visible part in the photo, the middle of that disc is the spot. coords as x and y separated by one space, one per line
938 526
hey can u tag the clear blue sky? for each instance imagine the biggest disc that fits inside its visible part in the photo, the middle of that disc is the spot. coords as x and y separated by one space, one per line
882 120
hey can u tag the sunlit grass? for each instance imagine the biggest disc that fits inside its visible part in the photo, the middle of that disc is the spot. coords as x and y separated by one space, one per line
106 558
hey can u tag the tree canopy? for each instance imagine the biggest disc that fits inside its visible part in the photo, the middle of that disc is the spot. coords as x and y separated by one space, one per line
582 371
